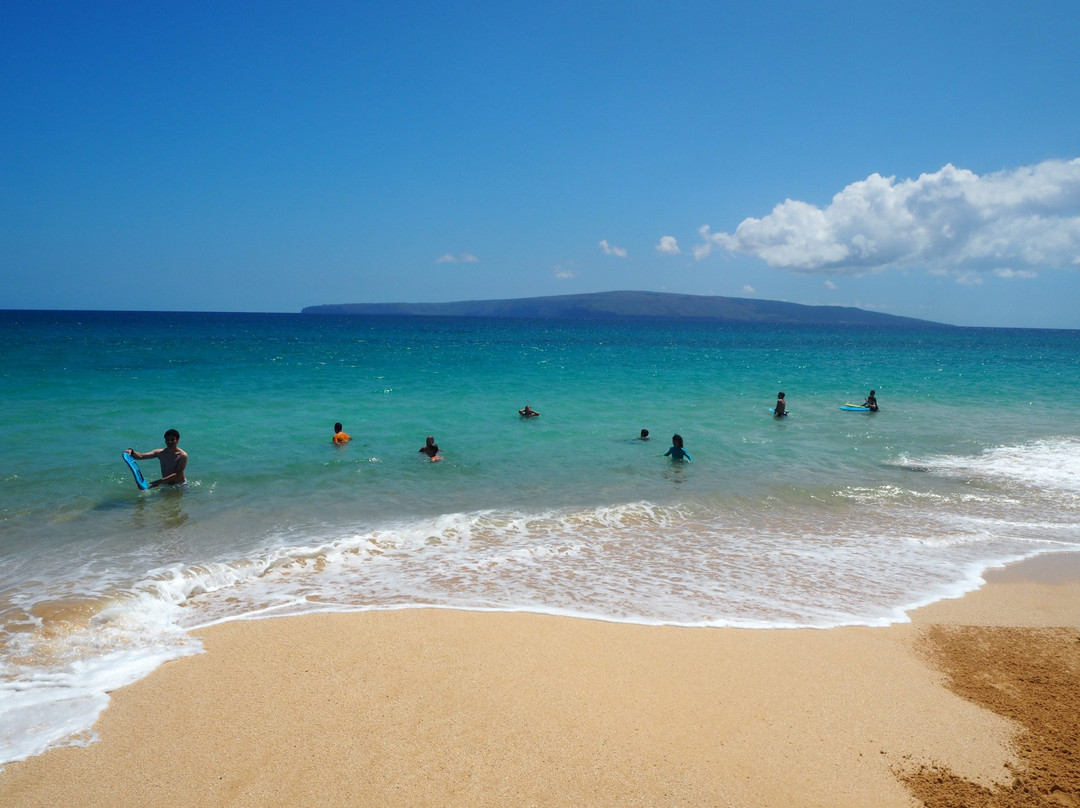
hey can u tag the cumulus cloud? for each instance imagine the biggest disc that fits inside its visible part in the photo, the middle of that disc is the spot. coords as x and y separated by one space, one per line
668 246
830 285
464 258
748 289
952 221
564 271
611 249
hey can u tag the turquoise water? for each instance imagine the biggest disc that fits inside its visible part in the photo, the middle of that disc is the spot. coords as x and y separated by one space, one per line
821 519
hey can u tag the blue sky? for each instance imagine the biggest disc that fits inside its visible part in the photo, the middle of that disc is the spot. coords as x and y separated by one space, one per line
920 159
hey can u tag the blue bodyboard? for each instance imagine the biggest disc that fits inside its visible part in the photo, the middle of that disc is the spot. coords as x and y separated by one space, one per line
855 408
139 479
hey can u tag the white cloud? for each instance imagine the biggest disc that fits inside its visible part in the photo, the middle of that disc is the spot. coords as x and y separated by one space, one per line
563 271
464 258
830 285
1005 272
611 249
952 221
748 289
703 249
668 246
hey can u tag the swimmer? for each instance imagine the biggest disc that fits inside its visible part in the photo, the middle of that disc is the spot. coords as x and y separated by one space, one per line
431 449
871 401
677 452
173 460
528 412
644 435
340 437
781 406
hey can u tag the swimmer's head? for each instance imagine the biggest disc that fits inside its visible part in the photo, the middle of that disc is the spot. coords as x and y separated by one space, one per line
173 434
337 427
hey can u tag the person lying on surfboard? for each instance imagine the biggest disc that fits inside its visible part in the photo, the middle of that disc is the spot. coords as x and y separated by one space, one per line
173 460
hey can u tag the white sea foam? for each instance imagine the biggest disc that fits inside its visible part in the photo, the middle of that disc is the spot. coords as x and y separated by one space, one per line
54 686
1051 465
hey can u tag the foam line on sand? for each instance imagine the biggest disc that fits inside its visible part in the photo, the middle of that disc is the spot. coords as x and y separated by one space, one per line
435 707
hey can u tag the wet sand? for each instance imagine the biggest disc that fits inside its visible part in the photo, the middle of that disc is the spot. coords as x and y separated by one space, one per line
976 702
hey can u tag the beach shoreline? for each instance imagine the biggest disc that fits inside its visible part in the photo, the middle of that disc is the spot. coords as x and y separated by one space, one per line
438 707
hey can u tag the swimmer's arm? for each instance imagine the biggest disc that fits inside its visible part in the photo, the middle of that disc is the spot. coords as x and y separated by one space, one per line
144 455
687 455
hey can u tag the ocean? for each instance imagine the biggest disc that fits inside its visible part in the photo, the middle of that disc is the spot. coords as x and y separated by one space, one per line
825 518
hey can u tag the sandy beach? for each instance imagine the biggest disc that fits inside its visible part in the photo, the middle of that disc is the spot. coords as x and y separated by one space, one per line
976 702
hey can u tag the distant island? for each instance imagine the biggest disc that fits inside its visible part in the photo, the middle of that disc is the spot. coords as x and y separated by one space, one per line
633 306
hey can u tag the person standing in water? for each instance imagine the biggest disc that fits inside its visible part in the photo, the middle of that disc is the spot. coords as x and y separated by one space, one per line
431 449
644 435
173 460
781 406
340 436
871 401
677 452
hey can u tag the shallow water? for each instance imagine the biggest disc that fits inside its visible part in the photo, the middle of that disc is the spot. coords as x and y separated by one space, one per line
824 518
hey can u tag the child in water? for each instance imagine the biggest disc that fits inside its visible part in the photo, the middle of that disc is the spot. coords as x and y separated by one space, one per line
431 449
677 452
780 410
341 437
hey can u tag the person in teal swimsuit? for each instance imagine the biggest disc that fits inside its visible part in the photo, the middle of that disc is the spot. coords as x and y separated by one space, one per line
677 452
